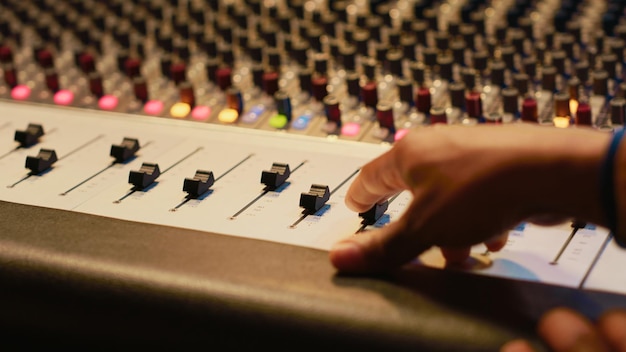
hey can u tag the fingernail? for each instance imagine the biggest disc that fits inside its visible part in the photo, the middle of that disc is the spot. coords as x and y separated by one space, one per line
516 346
346 256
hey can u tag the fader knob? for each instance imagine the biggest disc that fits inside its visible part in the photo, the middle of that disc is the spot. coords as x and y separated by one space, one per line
126 150
42 162
315 199
276 176
145 176
199 184
30 136
374 213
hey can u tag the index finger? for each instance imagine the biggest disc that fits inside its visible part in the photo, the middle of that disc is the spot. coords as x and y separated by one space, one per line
378 180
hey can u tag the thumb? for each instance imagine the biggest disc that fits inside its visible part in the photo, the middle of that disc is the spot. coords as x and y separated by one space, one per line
566 330
378 250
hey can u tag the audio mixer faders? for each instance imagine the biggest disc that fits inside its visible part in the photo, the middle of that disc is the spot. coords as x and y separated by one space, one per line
250 118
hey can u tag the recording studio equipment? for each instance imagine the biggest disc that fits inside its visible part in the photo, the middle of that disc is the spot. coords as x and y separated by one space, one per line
242 125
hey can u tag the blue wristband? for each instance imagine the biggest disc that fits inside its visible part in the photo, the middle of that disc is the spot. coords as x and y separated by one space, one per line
607 185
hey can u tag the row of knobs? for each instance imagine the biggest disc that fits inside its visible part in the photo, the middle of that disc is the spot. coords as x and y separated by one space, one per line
467 50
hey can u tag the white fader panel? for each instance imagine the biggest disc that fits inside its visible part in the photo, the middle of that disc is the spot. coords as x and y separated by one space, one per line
85 179
608 273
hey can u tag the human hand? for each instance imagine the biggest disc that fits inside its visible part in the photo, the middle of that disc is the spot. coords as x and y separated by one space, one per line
565 330
471 185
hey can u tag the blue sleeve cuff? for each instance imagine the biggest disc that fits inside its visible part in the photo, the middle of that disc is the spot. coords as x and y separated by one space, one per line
607 185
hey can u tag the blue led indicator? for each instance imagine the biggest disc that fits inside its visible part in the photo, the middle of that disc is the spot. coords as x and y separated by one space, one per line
253 114
301 122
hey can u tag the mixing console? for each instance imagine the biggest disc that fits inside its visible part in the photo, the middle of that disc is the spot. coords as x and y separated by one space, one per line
170 112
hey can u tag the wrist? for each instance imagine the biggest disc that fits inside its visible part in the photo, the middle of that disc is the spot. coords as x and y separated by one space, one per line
564 168
608 190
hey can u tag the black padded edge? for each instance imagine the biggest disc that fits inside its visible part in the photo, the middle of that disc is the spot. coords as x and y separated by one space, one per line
68 279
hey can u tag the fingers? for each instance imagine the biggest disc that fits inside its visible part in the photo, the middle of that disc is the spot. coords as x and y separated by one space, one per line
612 325
456 255
377 251
517 346
496 243
565 330
547 220
377 181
